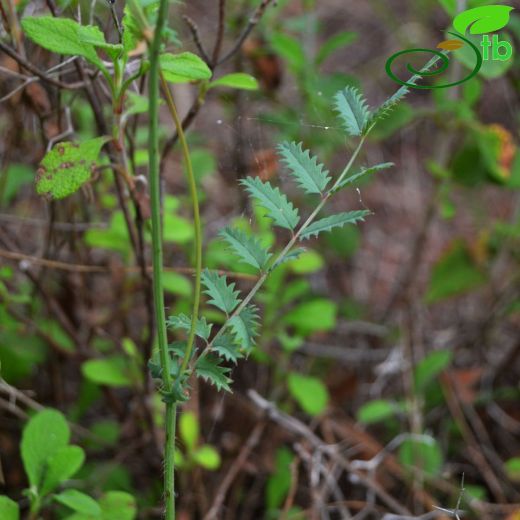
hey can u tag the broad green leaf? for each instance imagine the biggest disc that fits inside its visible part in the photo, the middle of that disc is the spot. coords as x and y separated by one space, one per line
454 274
310 393
361 173
289 49
183 68
60 466
353 110
207 457
481 20
245 327
512 467
68 166
238 80
9 509
423 453
376 411
189 429
222 295
334 221
209 369
278 207
310 175
334 43
308 262
183 322
43 436
80 502
430 367
111 371
176 283
118 504
312 316
62 36
247 247
178 230
226 347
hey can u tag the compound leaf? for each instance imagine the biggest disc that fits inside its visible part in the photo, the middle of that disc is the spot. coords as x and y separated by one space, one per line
226 346
223 295
311 176
209 369
278 207
353 110
247 247
183 322
328 223
245 327
68 166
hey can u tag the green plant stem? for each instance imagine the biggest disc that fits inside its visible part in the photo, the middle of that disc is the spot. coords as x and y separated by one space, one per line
196 223
157 259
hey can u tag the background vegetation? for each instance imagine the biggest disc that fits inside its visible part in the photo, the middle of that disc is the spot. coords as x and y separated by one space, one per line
384 379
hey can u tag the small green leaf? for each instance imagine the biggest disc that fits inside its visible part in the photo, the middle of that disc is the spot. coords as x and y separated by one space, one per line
226 347
209 369
62 36
184 68
481 20
111 371
311 176
278 207
222 295
333 44
353 110
118 504
237 80
290 49
189 429
176 283
131 32
245 327
376 411
308 262
43 436
60 466
68 166
207 457
423 453
247 247
79 502
430 367
334 221
312 316
310 393
361 173
512 467
183 322
9 509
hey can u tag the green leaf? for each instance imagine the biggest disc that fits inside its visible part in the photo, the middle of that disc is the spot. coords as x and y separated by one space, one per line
334 43
311 176
294 254
290 49
485 19
68 166
184 68
308 262
334 221
176 283
131 32
238 80
43 436
247 247
62 465
189 429
209 369
278 207
110 371
183 322
312 316
353 110
245 327
361 173
118 504
512 467
207 457
62 36
226 347
9 509
310 393
430 367
423 453
454 274
222 295
279 482
376 411
79 502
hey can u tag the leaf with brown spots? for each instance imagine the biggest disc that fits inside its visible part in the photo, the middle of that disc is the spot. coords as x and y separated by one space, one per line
67 167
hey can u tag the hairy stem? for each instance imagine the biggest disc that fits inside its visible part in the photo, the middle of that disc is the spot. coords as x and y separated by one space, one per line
157 259
196 222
